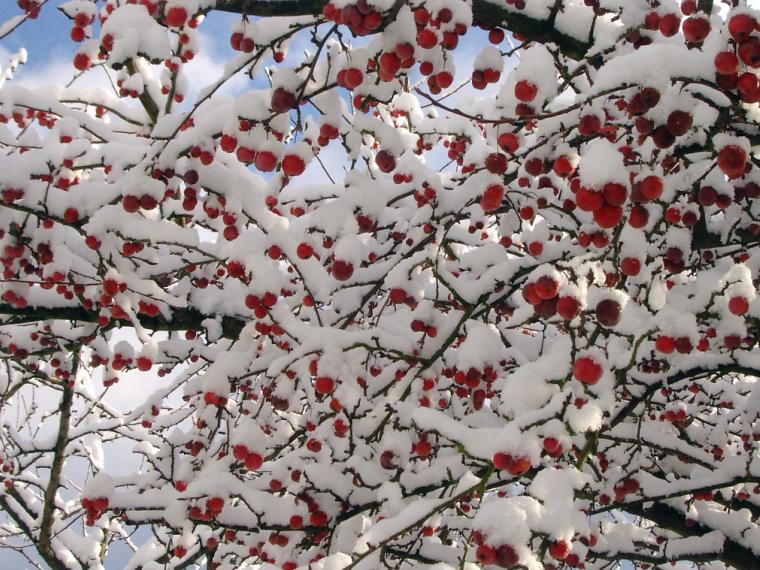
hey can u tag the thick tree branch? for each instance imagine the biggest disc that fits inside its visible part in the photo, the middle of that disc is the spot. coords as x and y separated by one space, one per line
44 543
484 13
733 554
182 319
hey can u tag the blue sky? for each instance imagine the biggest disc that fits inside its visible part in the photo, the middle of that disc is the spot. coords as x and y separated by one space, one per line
49 34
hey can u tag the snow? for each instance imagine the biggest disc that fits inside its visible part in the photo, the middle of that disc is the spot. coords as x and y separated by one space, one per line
135 32
601 163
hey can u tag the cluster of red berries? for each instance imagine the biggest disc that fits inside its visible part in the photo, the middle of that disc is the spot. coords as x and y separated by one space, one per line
666 344
14 299
264 160
674 416
419 326
502 555
78 30
252 461
398 296
214 399
10 195
20 117
543 295
121 361
132 203
439 28
239 41
261 305
678 123
552 446
327 133
605 204
349 77
214 506
515 466
457 147
94 508
30 7
525 92
389 63
426 196
624 488
361 17
482 77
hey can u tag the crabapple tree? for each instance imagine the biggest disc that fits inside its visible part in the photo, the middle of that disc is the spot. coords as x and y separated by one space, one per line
448 284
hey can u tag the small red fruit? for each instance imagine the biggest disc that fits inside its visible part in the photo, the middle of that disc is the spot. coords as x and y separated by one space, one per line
215 504
726 63
738 305
496 163
265 161
282 100
551 445
304 251
669 25
615 194
608 216
293 165
741 26
253 461
696 29
679 123
240 452
130 203
519 466
547 287
82 61
176 16
587 370
71 215
388 459
630 266
652 187
492 197
508 142
385 161
506 556
342 270
608 312
485 554
732 160
665 344
77 34
559 549
568 307
324 385
525 90
502 461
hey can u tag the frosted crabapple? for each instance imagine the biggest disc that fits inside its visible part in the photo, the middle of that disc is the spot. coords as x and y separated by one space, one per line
732 160
526 90
492 197
282 100
342 270
385 161
587 370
